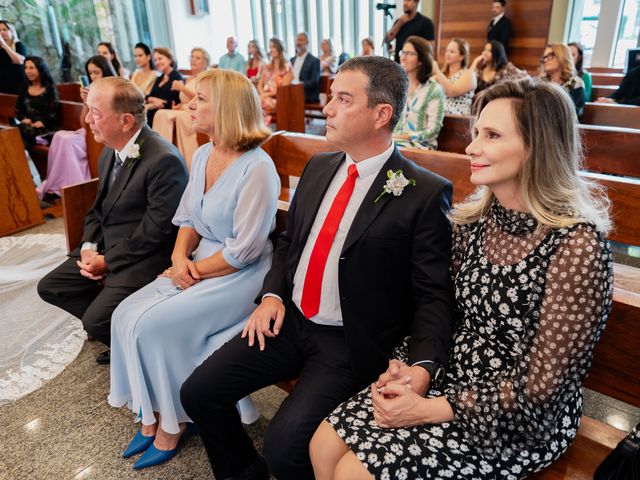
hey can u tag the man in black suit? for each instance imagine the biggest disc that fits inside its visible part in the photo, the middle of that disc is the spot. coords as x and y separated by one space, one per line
500 28
128 235
410 23
355 272
306 69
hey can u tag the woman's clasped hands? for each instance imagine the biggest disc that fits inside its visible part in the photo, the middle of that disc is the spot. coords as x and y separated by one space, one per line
183 273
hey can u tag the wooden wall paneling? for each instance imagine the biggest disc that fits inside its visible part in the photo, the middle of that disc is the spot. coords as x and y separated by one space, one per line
19 205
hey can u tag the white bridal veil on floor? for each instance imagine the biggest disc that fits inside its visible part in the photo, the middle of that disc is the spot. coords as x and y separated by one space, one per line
37 340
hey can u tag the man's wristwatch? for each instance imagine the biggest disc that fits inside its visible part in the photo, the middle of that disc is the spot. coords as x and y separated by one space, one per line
436 371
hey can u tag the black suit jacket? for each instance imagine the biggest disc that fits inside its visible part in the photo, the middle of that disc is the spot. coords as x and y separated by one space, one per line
394 267
131 219
502 32
310 77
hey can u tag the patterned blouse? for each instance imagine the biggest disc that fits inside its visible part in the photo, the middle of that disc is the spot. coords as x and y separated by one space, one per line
460 105
508 72
422 117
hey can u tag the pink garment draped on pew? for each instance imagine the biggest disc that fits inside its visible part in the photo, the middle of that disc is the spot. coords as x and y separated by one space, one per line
67 162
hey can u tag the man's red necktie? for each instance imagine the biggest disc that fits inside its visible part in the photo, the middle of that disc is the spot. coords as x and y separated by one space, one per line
312 288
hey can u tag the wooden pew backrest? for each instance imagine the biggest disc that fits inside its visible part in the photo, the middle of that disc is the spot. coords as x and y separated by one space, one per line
611 115
69 91
76 202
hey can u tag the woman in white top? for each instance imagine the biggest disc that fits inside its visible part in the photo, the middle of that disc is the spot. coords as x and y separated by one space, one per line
146 74
178 118
458 81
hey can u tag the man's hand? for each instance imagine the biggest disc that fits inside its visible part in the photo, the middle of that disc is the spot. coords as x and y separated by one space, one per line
402 374
26 121
95 268
38 124
605 100
270 309
396 405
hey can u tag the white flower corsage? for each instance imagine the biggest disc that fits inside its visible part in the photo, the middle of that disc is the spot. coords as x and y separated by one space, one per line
396 184
134 154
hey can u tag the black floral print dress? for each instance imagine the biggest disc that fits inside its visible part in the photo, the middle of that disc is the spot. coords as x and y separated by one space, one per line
532 302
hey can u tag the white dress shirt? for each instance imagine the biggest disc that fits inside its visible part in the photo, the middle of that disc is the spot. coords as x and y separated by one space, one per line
330 312
297 66
496 19
123 154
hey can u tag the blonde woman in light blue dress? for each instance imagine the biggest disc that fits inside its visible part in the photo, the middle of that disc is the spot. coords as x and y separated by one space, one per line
161 333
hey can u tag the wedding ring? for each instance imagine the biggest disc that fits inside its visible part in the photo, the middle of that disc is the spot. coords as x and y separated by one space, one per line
179 287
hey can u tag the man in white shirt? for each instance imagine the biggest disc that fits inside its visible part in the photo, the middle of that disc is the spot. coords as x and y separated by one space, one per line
500 28
128 235
306 69
356 271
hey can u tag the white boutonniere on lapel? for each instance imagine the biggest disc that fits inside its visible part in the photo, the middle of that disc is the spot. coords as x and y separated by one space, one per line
396 184
134 154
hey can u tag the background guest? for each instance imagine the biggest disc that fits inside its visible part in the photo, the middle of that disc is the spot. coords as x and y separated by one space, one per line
219 261
367 47
178 119
255 61
458 81
628 93
145 75
67 162
492 66
410 23
276 73
500 28
557 67
232 60
328 59
534 237
306 69
423 113
12 53
37 103
577 53
107 50
162 95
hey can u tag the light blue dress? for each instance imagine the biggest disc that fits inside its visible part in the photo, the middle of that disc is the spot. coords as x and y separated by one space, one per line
159 335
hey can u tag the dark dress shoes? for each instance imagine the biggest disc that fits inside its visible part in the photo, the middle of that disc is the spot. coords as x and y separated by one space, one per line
258 470
104 358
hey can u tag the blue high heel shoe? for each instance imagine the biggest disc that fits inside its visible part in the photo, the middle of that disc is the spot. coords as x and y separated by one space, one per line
139 444
154 456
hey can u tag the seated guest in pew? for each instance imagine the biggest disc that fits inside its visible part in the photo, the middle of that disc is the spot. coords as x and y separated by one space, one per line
145 75
306 69
368 48
219 261
532 272
628 93
37 103
578 58
421 118
12 54
558 68
255 61
67 162
328 59
232 60
107 51
358 268
177 121
458 81
128 234
492 66
162 95
276 73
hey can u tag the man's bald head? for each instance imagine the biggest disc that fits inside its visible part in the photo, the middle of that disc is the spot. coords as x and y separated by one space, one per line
124 97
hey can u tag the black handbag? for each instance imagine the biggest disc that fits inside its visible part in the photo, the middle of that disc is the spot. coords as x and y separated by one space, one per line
623 463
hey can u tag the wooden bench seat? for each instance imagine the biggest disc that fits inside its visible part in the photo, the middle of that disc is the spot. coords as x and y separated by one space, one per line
606 79
598 91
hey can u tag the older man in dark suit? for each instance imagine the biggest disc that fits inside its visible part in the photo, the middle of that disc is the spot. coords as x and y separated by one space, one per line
306 69
363 263
128 235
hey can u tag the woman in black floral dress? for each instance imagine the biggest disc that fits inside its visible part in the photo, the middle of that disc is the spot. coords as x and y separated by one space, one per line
533 282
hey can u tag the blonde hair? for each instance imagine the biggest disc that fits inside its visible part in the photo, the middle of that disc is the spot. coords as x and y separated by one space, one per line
550 184
236 110
463 48
205 54
565 59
